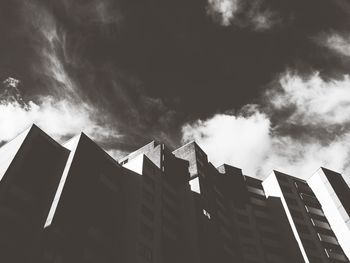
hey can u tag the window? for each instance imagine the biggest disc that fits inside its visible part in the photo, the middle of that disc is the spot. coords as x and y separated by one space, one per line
249 249
110 184
308 244
328 239
258 202
302 228
124 162
296 214
266 221
310 200
246 232
303 188
270 235
282 178
334 254
291 201
146 231
147 195
206 213
256 191
147 212
148 180
314 259
243 218
145 252
320 224
170 209
314 211
286 189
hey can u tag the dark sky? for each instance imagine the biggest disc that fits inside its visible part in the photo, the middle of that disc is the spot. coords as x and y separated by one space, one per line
154 65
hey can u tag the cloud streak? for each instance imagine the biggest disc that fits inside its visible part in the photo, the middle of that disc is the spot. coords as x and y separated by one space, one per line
336 42
62 111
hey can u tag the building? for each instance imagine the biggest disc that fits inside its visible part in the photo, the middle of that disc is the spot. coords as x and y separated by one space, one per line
73 203
242 219
165 194
86 218
30 169
315 237
333 193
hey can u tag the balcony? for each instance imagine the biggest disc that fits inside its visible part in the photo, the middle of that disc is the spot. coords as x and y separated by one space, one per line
328 239
336 255
256 191
314 211
320 224
310 200
303 188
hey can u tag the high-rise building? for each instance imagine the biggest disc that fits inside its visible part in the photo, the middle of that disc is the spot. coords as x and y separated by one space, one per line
246 226
333 193
315 237
73 203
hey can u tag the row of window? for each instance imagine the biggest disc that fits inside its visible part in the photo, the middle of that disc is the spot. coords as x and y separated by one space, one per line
145 252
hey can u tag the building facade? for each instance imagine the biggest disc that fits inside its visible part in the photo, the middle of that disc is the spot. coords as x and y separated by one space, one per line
333 193
73 203
315 236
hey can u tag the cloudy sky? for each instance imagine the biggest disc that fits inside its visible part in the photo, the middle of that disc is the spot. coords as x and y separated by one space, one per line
260 84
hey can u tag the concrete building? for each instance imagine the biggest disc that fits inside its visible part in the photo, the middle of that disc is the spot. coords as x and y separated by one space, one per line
315 237
244 226
333 193
165 187
86 218
30 169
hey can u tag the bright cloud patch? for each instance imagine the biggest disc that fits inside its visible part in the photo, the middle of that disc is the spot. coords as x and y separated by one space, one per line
242 14
224 9
316 101
57 118
232 139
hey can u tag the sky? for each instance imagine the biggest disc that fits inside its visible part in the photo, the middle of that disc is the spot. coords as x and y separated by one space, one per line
260 84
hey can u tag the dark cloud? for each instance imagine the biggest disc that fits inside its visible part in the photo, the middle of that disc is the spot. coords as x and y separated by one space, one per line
151 66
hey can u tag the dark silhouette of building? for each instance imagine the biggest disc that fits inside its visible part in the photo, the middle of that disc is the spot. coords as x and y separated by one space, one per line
76 204
242 225
31 166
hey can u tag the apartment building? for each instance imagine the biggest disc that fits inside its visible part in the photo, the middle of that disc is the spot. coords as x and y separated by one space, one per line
316 239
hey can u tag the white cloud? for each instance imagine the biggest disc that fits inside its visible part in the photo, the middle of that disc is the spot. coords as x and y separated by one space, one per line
316 101
242 14
238 140
225 9
336 42
58 118
261 21
257 144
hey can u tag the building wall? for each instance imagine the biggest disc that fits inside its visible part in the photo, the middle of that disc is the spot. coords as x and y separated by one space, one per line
88 220
310 226
27 190
328 191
